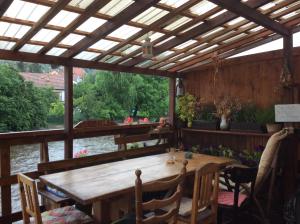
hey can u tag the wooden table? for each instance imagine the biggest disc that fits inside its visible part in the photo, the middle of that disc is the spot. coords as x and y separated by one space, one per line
95 184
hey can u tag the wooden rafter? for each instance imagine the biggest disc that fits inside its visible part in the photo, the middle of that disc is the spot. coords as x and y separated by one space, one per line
108 27
164 19
196 31
41 23
4 5
46 59
253 15
193 48
90 10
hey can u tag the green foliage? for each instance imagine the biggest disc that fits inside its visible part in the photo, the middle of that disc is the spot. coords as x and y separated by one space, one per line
265 116
186 108
206 113
107 95
246 114
22 106
56 112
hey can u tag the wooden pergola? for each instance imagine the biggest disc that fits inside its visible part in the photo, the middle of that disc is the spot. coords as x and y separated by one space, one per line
109 35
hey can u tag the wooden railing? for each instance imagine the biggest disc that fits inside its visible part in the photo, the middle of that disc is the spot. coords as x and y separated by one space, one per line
43 137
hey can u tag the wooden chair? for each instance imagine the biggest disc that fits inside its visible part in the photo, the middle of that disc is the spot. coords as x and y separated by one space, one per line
31 208
150 212
203 207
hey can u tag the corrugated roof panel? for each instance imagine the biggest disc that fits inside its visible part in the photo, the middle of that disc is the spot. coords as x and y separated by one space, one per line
129 49
63 18
209 48
45 35
191 27
174 3
104 45
290 15
235 21
91 24
72 39
212 32
186 58
112 59
153 36
256 28
124 32
31 48
145 64
150 16
234 38
186 44
177 23
114 7
86 55
217 14
83 4
165 67
6 45
163 55
13 30
56 51
165 40
26 11
202 7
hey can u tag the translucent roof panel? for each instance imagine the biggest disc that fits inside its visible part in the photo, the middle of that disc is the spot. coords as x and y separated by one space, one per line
63 18
235 21
145 64
153 36
26 11
217 14
186 58
234 38
177 23
124 32
212 32
91 24
165 40
165 67
45 35
129 49
85 55
191 27
209 48
56 51
164 55
83 4
256 29
13 30
114 7
202 7
72 39
150 16
104 45
6 45
186 44
174 3
112 59
31 48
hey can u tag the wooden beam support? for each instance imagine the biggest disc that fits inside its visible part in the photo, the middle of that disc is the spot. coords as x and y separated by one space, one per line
47 59
288 52
194 32
90 10
122 18
4 5
41 23
172 100
253 15
68 72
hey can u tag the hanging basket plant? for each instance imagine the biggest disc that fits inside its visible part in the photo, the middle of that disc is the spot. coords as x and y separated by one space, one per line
186 108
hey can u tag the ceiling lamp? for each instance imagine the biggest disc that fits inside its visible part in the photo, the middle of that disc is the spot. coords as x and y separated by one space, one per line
147 48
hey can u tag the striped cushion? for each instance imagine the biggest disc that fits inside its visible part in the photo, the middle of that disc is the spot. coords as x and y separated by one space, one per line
65 215
227 198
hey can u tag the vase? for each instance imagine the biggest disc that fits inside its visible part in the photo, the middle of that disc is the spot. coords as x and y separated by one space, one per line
224 124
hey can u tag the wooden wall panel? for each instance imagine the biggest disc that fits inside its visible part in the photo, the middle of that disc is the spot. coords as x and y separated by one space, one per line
255 80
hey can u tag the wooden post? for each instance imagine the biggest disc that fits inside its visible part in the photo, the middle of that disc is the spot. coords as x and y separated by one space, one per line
5 172
68 71
172 100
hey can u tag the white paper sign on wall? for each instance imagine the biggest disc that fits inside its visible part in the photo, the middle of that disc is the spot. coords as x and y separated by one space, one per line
287 113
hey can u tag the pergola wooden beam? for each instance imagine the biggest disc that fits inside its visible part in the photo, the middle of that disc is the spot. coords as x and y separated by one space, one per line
116 22
90 10
253 15
4 5
47 59
196 31
41 23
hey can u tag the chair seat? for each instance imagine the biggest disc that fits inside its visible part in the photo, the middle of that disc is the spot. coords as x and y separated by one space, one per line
227 198
65 215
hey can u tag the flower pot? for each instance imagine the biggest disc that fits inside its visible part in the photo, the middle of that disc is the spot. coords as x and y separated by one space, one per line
224 124
272 128
206 125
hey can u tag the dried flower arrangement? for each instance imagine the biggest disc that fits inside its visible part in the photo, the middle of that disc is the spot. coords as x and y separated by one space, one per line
226 106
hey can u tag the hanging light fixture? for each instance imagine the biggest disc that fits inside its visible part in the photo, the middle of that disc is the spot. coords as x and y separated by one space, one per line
179 87
147 48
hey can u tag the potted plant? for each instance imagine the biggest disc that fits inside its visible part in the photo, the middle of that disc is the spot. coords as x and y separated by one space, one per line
225 107
186 108
205 117
266 117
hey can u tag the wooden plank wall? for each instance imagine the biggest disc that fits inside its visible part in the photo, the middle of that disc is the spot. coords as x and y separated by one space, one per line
252 78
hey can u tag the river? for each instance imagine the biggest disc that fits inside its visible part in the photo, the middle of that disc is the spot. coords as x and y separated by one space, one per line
26 157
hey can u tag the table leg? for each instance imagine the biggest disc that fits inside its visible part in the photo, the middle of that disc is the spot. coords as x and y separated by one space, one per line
101 212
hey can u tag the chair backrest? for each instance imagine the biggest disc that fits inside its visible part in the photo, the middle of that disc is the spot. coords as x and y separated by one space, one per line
29 199
206 189
156 204
268 157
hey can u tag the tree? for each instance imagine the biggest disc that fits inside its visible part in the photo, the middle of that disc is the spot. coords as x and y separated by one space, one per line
22 105
107 95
